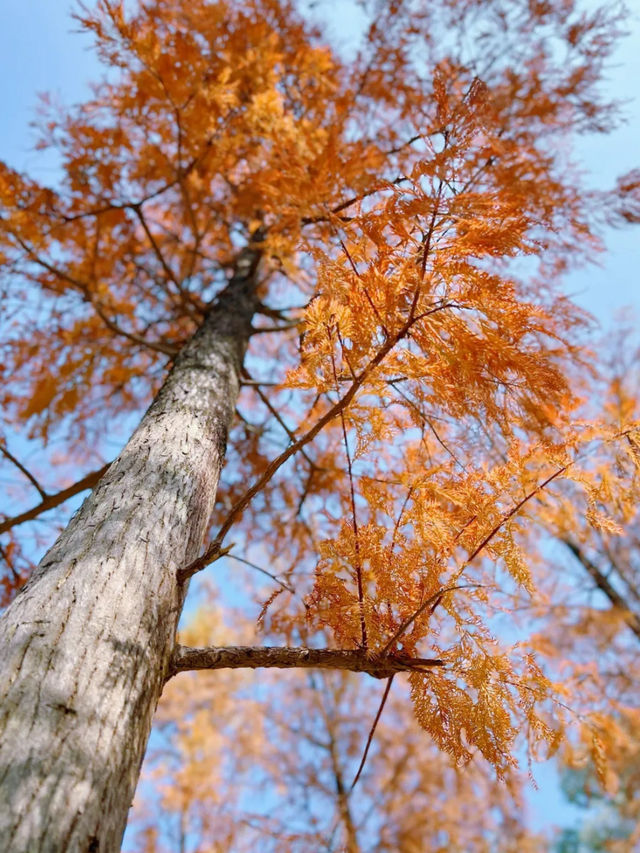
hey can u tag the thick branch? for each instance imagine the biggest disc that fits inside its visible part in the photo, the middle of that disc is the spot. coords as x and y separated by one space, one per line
255 657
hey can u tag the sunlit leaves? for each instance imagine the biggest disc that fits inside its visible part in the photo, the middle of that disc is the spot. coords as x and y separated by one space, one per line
415 366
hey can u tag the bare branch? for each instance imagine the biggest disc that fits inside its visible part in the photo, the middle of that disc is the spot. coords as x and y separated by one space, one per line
263 571
5 452
52 501
276 414
158 346
90 297
137 209
372 732
261 330
256 657
603 584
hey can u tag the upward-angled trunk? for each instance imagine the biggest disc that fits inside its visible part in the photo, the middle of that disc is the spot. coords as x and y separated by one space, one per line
85 646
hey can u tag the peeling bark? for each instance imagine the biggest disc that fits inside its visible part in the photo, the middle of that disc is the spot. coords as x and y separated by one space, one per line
86 645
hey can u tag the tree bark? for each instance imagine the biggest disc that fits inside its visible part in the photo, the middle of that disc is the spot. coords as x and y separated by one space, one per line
86 645
286 657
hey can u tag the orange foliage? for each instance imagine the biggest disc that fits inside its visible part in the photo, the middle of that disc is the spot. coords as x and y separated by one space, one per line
413 410
275 771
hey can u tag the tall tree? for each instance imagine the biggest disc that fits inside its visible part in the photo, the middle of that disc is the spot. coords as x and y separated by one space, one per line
356 222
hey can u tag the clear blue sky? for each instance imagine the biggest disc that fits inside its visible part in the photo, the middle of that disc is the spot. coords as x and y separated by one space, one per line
40 52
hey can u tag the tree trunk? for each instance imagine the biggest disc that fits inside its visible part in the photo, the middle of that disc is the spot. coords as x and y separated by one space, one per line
86 644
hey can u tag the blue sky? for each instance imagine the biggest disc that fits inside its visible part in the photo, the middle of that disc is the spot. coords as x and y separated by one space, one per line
39 52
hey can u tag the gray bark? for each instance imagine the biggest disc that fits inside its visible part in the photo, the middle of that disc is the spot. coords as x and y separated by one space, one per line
86 645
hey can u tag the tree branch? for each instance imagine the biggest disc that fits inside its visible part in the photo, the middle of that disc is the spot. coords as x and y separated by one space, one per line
90 297
158 346
52 501
213 550
255 657
5 452
263 571
372 732
603 584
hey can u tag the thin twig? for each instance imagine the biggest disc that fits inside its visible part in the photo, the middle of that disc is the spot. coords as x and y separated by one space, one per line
513 511
366 292
352 494
276 414
429 235
84 288
372 732
433 599
5 451
264 572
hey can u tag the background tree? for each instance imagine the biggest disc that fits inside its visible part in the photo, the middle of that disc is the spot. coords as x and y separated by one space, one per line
357 222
